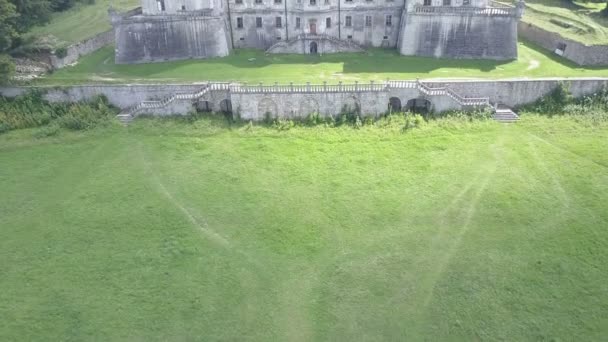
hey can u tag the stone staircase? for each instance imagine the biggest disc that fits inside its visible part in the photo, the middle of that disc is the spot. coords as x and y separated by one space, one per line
127 115
504 114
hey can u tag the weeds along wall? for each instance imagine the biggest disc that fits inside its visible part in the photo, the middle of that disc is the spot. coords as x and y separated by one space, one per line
257 103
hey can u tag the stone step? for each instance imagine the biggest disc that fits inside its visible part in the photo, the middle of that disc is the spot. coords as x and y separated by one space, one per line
505 114
124 118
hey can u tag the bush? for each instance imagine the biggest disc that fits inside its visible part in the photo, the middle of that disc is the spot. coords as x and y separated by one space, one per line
7 69
61 52
32 110
47 131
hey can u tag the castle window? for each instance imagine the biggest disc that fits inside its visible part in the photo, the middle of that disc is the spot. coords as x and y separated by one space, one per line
277 22
258 22
327 2
183 7
258 1
278 1
428 3
278 38
389 20
385 37
466 2
349 37
242 38
349 21
447 2
239 22
349 0
161 5
368 20
238 2
313 2
297 22
327 22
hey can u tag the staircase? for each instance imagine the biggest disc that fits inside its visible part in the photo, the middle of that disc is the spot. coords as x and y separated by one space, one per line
504 114
128 114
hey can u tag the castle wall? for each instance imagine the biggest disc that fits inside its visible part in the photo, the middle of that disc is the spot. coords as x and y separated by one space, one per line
521 92
465 35
159 38
292 104
578 53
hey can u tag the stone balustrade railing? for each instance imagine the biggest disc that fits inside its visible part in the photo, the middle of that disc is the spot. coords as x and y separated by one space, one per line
311 89
308 88
487 11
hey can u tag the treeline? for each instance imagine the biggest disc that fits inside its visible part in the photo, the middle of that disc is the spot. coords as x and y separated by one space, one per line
19 16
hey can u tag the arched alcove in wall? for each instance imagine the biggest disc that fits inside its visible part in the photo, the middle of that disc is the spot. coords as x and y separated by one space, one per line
419 105
267 108
394 104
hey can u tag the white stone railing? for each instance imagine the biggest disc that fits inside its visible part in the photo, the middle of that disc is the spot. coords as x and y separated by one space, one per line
307 88
487 11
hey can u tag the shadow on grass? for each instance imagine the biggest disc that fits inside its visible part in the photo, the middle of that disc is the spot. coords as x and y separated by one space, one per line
559 59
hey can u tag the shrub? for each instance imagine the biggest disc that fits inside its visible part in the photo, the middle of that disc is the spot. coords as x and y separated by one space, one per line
47 131
61 52
32 110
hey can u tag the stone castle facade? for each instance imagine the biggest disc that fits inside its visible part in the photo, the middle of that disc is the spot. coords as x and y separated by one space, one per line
181 29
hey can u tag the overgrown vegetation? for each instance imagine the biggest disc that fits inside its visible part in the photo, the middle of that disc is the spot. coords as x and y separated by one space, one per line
32 110
592 109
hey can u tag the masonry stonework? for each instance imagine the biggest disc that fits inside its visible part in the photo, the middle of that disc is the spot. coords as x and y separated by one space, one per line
299 101
182 29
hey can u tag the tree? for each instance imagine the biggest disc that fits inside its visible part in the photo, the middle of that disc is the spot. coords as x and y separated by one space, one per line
7 68
8 17
31 13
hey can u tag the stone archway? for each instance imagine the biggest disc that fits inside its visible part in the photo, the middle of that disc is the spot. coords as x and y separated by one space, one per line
394 104
308 106
351 104
226 106
267 108
314 48
203 106
419 105
289 110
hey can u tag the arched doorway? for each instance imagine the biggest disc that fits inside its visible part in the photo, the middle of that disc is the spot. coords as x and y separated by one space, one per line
313 48
226 108
394 104
203 106
421 106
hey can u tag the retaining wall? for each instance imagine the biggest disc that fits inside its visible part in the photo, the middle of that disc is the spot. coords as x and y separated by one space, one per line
578 53
515 93
75 51
371 100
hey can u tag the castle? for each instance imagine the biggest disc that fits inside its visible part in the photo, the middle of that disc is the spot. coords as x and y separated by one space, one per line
181 29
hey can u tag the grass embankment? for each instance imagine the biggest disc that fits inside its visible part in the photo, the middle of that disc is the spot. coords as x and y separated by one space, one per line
83 21
579 21
169 230
376 64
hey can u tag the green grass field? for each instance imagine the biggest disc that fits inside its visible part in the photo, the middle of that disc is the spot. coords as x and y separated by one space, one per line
376 64
174 231
83 21
587 24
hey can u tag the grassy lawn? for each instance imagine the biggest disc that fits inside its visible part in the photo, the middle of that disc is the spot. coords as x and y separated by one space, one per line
83 21
586 23
375 64
175 231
